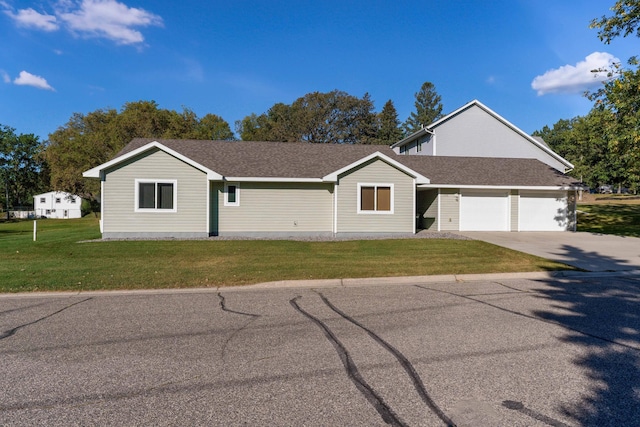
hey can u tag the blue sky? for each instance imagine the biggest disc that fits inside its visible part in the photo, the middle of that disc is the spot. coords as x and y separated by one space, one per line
528 60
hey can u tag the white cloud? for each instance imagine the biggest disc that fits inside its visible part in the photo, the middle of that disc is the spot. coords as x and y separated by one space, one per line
5 76
29 18
28 79
108 19
574 78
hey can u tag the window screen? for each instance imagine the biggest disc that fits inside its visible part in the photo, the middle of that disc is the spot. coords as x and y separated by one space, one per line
367 198
165 196
383 199
146 195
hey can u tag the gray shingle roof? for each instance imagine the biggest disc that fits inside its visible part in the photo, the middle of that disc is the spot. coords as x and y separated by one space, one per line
306 160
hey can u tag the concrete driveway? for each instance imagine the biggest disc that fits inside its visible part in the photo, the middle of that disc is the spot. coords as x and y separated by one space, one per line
589 251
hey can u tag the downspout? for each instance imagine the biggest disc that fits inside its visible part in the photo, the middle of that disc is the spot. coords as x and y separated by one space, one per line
432 133
439 219
208 209
335 208
102 178
415 207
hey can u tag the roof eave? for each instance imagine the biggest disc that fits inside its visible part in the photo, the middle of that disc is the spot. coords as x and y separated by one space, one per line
410 138
505 187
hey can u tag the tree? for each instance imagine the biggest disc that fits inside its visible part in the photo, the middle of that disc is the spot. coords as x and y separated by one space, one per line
212 127
587 143
88 140
619 98
389 131
428 109
625 20
333 117
22 167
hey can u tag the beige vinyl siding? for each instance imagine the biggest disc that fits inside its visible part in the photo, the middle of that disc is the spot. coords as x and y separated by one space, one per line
514 209
428 209
449 209
274 208
376 172
119 196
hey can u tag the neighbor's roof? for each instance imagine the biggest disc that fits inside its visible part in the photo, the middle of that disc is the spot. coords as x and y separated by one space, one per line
537 141
313 161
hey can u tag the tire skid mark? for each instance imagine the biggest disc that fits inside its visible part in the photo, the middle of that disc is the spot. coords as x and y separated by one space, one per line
367 391
540 319
518 406
11 332
404 362
224 308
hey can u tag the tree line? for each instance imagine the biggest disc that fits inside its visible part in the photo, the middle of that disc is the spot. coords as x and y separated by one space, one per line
604 145
29 166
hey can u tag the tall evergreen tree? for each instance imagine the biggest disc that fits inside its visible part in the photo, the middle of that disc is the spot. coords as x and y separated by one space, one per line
428 109
389 131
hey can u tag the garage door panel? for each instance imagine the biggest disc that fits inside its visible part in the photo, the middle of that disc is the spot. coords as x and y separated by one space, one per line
484 211
543 211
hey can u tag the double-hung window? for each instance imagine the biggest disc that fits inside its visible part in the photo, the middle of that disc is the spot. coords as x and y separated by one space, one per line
156 195
375 198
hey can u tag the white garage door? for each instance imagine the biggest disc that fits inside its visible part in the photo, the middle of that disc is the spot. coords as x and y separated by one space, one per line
482 210
543 211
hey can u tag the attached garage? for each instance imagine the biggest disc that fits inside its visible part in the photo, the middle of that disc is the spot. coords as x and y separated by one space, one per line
484 210
543 211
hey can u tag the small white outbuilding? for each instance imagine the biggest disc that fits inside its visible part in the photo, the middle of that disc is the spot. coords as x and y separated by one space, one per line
57 204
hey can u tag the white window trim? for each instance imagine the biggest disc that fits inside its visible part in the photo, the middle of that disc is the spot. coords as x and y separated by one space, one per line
226 193
155 181
376 185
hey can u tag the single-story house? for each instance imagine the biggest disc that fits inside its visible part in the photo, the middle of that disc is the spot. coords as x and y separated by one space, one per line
195 188
57 204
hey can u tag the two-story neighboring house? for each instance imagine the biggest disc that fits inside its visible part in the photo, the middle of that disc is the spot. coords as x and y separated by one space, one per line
57 204
477 133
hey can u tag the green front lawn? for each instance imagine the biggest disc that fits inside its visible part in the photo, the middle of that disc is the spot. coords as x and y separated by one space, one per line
58 262
619 219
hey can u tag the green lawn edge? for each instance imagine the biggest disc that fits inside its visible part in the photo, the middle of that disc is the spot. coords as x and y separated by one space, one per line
68 257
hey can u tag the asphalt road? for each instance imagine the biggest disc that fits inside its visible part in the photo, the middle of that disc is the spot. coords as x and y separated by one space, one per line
552 352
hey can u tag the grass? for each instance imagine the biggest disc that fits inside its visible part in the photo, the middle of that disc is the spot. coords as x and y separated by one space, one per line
56 261
610 218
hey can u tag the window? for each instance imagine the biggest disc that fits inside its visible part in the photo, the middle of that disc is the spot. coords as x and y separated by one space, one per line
42 200
419 145
73 200
403 149
48 211
375 198
232 194
156 196
57 199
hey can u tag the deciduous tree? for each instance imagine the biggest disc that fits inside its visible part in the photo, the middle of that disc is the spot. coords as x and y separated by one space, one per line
333 117
88 140
22 170
624 21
